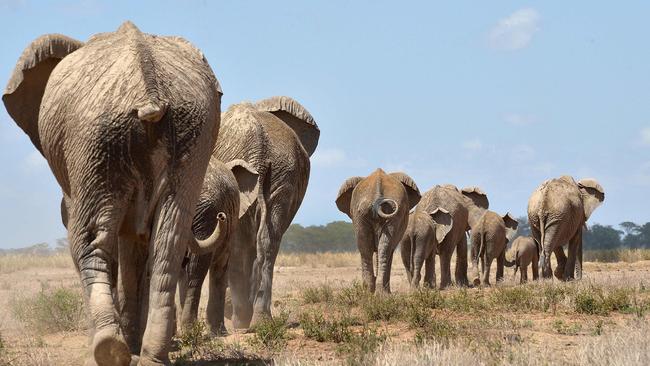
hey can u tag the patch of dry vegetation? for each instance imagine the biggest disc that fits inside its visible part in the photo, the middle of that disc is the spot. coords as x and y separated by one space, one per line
16 262
51 310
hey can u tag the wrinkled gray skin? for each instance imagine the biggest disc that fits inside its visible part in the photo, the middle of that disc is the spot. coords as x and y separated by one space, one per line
228 190
128 138
420 242
379 206
466 208
489 238
557 211
523 252
276 136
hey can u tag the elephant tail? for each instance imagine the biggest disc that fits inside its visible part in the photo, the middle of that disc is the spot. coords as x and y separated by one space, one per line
481 248
542 231
413 241
385 208
151 111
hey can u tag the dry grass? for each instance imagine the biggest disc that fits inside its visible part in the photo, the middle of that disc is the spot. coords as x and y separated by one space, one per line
318 260
16 262
617 255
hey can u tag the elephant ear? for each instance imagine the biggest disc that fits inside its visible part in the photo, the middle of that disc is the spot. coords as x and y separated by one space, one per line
511 226
24 92
593 195
411 188
345 194
443 222
247 180
477 196
296 117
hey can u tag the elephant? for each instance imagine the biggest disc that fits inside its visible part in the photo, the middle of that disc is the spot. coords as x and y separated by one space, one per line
423 234
489 237
466 207
523 252
227 193
379 206
557 211
276 136
128 138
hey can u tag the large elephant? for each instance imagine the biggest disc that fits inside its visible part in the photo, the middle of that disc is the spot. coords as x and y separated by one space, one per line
466 207
419 245
228 191
523 252
128 137
276 136
379 206
557 211
489 237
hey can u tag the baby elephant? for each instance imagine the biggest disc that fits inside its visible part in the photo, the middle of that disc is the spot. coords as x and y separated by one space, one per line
522 253
489 237
420 243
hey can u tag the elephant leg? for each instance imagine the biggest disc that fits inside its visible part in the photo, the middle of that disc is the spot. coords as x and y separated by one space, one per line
419 258
486 269
475 240
405 251
195 271
500 266
524 274
445 268
365 243
574 244
132 263
514 273
385 258
93 237
561 262
243 254
173 223
461 262
217 296
579 256
430 271
535 265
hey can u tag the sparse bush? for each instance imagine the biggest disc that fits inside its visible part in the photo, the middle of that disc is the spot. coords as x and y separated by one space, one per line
196 343
464 301
317 328
433 329
352 295
566 328
382 307
361 346
51 311
271 333
518 298
427 298
314 295
193 336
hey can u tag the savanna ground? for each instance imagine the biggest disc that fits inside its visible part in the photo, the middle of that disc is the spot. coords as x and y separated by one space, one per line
322 315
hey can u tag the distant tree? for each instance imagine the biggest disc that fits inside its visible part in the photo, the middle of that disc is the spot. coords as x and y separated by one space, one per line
601 237
629 228
62 246
336 236
638 236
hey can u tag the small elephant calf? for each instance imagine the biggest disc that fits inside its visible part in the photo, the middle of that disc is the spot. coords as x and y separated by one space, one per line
425 231
522 253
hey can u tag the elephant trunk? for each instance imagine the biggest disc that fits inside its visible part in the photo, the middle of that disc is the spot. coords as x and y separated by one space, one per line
511 263
199 247
385 208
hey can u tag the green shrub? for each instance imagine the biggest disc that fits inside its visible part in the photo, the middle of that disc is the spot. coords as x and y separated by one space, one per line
439 330
314 295
361 346
51 311
566 328
317 328
353 295
464 301
271 333
427 298
518 298
381 307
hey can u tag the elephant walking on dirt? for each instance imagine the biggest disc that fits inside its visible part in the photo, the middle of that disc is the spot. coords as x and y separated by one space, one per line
557 212
379 206
523 252
128 138
276 136
420 243
228 191
489 238
466 207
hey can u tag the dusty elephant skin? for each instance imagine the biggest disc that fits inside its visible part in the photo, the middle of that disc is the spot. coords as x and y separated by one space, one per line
228 190
379 206
489 238
276 136
557 211
119 103
420 242
523 252
466 207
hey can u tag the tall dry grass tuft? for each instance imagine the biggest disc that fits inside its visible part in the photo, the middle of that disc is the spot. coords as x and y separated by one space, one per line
617 255
318 260
17 262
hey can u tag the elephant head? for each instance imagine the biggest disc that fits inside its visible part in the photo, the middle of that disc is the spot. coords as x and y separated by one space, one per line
511 225
476 202
592 194
378 206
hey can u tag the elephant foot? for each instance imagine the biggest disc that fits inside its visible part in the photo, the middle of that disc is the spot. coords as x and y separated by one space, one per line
258 317
135 360
220 330
476 282
559 273
109 348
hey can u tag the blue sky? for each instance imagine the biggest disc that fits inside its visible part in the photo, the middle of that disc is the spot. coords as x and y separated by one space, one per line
500 95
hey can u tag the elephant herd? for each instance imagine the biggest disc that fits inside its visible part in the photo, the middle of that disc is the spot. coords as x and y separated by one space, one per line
161 188
379 207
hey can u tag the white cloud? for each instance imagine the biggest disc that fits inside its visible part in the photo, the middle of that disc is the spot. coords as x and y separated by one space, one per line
34 162
515 31
472 145
517 119
645 136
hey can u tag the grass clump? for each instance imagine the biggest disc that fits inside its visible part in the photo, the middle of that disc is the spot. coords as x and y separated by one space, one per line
314 295
518 298
441 331
316 327
594 301
271 332
464 301
51 311
566 328
352 296
195 343
381 307
360 348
